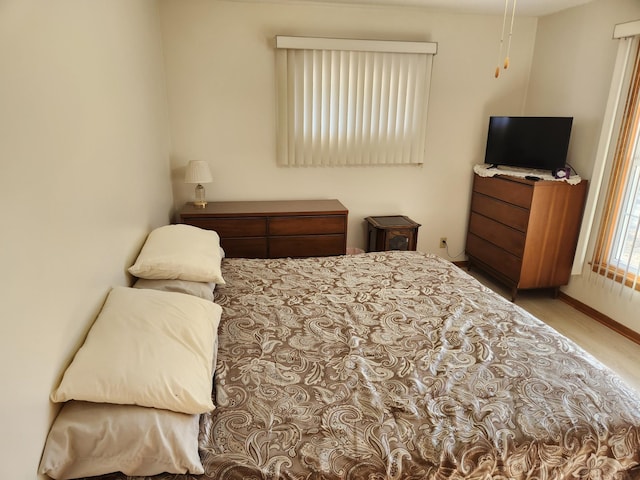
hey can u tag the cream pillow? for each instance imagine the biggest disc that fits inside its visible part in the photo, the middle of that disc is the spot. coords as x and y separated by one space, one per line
148 348
180 252
198 289
88 439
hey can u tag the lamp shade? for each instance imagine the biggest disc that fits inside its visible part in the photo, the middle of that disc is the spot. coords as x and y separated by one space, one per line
198 172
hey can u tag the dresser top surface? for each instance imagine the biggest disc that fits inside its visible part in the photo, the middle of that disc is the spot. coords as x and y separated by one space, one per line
266 207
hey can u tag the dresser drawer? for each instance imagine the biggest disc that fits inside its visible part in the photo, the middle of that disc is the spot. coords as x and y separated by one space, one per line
500 211
513 192
247 247
307 225
306 246
494 257
232 227
500 235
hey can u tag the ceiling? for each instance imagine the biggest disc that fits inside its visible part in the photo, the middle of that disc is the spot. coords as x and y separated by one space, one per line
533 8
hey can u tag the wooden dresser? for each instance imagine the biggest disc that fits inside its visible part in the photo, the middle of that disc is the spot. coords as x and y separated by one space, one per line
274 229
524 232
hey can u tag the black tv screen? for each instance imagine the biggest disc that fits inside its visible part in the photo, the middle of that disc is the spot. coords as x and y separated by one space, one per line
529 142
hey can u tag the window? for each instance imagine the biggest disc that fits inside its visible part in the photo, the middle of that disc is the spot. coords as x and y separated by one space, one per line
617 249
352 102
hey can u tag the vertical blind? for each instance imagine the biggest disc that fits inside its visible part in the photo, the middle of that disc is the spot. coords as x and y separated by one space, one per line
627 35
352 102
617 249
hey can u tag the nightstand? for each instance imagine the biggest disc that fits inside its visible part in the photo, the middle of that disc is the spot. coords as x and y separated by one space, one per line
391 232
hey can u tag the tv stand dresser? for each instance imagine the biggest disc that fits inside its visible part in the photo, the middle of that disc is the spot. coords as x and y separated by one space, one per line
524 232
274 229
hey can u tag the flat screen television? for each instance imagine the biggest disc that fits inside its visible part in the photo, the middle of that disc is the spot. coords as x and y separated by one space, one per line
529 142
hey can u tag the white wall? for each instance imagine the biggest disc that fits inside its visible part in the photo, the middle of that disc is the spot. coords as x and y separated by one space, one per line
571 75
220 70
84 175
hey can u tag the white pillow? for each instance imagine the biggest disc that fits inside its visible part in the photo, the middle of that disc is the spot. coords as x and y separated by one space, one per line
180 252
148 348
198 289
88 439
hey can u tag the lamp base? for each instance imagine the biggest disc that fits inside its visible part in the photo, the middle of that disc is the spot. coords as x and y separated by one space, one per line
200 201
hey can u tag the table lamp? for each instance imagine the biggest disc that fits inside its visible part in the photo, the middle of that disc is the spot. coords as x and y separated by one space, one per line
198 172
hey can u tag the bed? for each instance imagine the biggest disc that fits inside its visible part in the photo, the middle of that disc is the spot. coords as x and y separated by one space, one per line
388 365
399 365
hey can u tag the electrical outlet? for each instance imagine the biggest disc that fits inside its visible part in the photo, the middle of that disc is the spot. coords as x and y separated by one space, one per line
443 242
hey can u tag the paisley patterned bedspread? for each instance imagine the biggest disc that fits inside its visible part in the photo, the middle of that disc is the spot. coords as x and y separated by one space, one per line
399 365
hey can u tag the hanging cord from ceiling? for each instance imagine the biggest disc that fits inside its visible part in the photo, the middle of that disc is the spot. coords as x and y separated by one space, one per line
505 65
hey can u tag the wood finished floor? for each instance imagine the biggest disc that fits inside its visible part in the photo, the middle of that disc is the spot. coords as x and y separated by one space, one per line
617 352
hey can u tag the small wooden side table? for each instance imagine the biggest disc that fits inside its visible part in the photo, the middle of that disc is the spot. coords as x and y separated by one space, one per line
391 232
